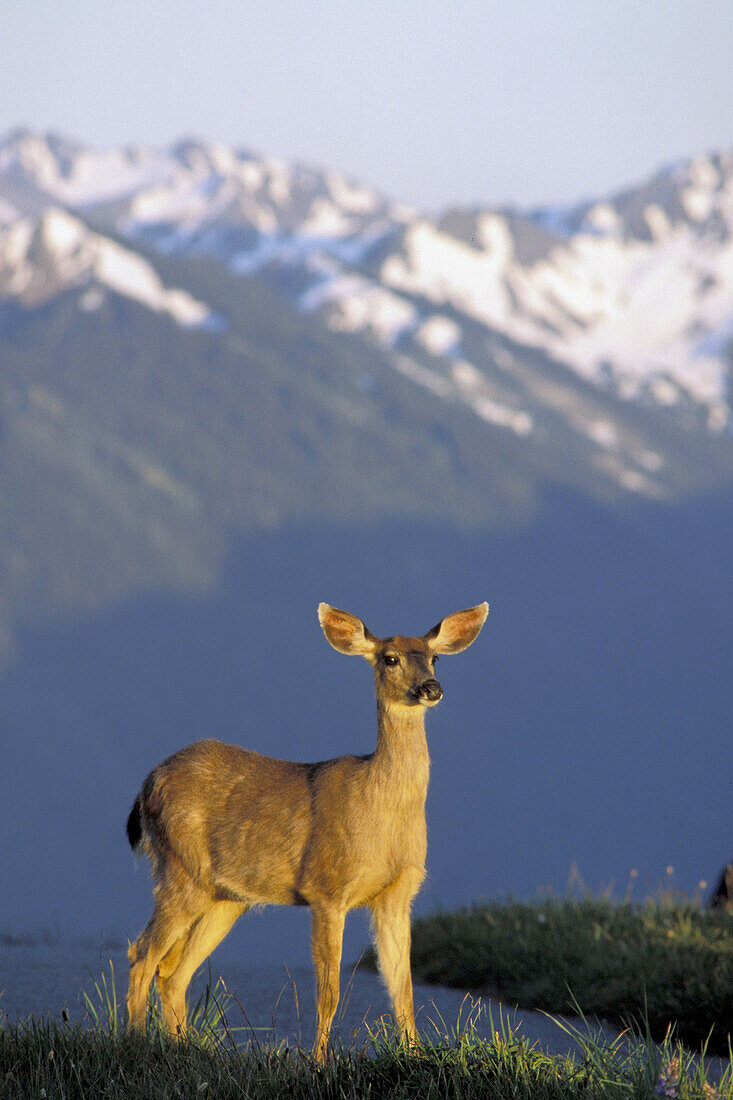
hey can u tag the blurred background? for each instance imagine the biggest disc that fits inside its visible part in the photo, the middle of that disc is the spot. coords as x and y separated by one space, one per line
392 306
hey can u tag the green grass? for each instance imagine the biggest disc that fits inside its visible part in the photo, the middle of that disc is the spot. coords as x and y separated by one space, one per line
667 962
661 963
58 1061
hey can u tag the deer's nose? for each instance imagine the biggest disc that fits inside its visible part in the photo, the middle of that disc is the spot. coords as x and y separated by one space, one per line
430 690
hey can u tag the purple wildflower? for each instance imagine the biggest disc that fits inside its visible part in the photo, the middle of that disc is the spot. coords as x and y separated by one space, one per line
669 1079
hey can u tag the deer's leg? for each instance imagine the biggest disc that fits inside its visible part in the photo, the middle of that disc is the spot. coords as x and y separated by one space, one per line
178 904
391 917
176 969
328 934
172 957
144 954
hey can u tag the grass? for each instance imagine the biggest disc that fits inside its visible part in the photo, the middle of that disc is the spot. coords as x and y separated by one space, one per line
661 963
667 961
59 1061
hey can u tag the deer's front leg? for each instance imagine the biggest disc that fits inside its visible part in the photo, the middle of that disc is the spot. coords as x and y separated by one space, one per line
391 915
328 934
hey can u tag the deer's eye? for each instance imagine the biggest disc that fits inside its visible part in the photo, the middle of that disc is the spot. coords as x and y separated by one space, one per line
391 660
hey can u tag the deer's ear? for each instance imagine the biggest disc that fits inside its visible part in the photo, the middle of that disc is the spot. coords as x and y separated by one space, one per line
345 632
456 632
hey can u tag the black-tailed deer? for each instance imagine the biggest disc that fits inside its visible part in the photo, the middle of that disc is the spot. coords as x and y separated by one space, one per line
226 829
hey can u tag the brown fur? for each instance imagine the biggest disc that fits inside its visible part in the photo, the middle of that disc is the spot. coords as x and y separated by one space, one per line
226 829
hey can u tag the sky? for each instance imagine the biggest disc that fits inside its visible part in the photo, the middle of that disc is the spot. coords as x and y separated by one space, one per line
501 103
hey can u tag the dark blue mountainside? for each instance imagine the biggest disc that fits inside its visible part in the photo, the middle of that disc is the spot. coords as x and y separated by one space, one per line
590 725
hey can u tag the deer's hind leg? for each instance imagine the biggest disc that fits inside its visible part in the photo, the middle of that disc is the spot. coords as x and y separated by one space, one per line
178 966
178 904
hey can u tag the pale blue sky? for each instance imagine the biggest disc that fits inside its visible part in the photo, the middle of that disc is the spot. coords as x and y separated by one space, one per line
433 103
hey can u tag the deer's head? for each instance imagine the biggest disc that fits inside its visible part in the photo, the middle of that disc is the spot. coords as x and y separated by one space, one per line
404 667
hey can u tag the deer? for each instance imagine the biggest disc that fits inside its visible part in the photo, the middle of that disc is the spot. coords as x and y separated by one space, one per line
226 829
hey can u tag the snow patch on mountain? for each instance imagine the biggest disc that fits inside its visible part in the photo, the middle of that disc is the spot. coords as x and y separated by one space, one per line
636 310
39 259
439 335
353 303
8 212
444 269
70 175
467 385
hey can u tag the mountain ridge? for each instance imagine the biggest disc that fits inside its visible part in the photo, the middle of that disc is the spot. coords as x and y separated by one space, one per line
277 346
634 290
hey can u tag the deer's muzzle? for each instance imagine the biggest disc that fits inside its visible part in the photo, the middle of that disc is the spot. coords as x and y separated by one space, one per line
428 692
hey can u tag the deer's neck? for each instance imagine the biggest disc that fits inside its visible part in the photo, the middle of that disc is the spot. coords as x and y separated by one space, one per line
402 749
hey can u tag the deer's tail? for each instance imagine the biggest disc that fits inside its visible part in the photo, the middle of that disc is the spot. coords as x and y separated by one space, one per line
134 825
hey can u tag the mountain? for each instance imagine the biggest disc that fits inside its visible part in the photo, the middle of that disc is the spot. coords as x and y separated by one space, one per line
632 292
233 387
42 259
198 340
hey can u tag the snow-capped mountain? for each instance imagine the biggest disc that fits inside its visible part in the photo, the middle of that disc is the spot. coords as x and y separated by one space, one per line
54 252
634 293
193 195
